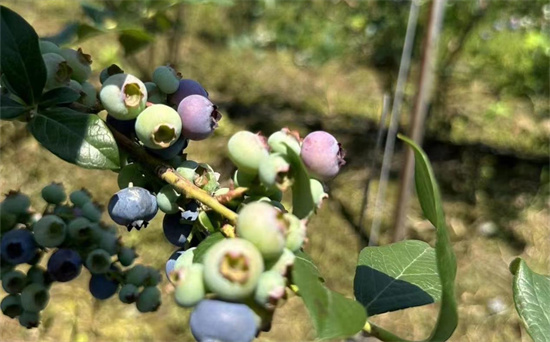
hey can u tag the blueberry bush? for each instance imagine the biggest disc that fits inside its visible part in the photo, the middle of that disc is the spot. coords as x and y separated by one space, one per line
238 250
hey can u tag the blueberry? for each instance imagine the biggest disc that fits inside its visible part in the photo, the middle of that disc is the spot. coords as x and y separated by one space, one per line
11 306
322 155
47 47
176 230
34 297
158 126
232 268
39 275
185 259
148 300
186 88
128 293
123 96
264 226
273 170
133 207
172 151
317 192
29 319
154 94
137 275
199 117
80 197
13 281
79 62
296 232
214 320
167 198
126 256
102 286
283 263
167 79
126 127
98 261
279 141
18 246
171 262
80 230
16 203
271 288
109 71
50 231
188 170
189 285
64 265
89 95
57 69
54 193
91 211
247 150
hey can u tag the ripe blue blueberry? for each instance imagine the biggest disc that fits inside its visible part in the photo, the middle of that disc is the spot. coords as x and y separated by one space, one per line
176 230
214 320
133 207
199 117
190 211
64 265
186 88
158 126
102 286
123 96
322 155
18 246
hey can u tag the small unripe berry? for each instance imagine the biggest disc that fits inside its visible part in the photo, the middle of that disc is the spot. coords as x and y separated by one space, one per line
58 71
79 62
123 96
158 126
247 150
167 79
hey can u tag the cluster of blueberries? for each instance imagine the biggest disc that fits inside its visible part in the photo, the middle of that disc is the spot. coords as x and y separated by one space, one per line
234 285
79 239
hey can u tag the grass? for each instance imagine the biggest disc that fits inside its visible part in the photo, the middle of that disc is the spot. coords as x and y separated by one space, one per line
269 87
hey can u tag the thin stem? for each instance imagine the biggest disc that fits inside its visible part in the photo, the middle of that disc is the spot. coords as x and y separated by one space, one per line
169 175
373 330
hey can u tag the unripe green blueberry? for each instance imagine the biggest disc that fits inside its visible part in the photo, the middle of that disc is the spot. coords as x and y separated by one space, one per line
188 170
54 193
98 261
247 150
74 85
273 170
148 300
264 226
79 62
137 275
11 305
91 211
279 140
89 96
16 203
109 71
80 229
34 297
126 256
283 263
154 95
317 192
185 259
232 268
123 96
48 47
270 288
166 199
7 220
128 293
13 281
50 231
296 232
57 69
39 275
80 197
190 285
158 126
110 243
167 79
29 319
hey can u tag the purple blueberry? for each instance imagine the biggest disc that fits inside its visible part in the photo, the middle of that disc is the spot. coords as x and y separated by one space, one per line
18 246
133 207
186 88
214 320
176 229
322 155
64 265
199 117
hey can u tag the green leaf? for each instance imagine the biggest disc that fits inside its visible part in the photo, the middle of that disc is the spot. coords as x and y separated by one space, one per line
11 109
333 315
397 276
81 139
61 95
205 245
66 35
85 31
430 201
133 40
532 299
21 61
302 199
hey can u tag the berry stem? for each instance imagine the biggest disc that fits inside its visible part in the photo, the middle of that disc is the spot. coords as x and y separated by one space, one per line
231 195
172 177
372 329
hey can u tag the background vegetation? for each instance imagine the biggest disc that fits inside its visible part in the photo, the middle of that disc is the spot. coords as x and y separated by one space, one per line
325 65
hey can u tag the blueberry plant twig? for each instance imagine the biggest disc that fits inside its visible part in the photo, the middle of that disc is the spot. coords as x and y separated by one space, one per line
373 330
231 195
170 176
